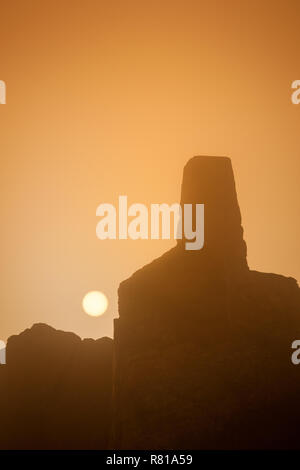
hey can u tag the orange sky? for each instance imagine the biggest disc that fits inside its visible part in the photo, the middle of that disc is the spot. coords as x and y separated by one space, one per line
109 98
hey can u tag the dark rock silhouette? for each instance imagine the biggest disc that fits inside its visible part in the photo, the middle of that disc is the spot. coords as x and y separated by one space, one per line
203 344
201 357
55 391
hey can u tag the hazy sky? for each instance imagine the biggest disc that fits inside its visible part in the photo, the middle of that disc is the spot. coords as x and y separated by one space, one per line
110 98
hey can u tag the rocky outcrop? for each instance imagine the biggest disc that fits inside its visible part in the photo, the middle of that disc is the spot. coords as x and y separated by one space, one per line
55 391
203 344
201 357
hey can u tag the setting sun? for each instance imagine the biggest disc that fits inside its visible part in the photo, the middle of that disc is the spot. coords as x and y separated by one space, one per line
95 303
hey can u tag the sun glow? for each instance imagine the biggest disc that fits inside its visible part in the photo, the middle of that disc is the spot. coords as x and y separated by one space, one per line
95 303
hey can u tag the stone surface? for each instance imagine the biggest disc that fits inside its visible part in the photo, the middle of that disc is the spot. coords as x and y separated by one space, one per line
55 391
201 357
203 344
